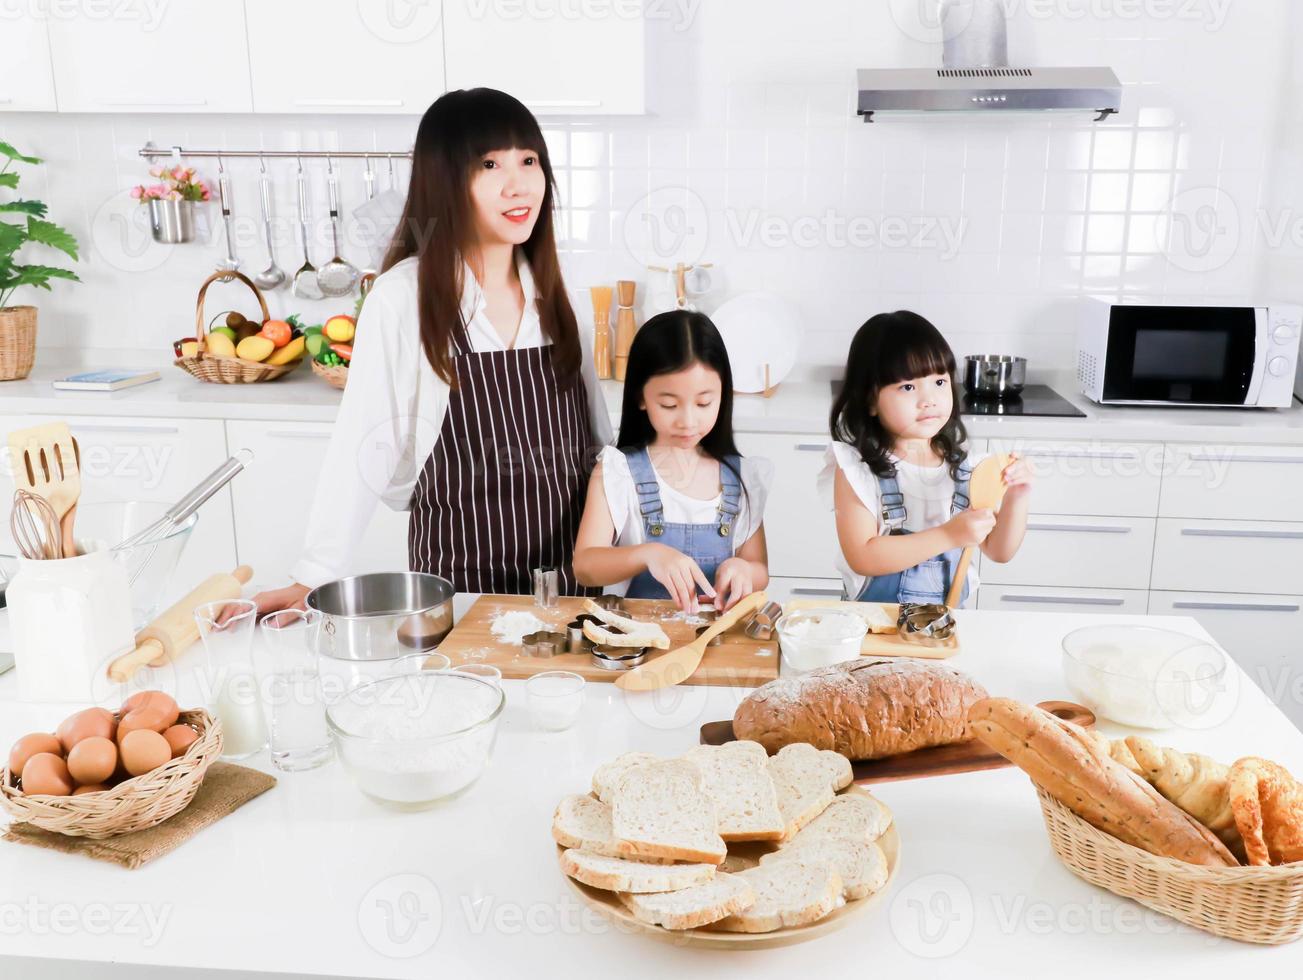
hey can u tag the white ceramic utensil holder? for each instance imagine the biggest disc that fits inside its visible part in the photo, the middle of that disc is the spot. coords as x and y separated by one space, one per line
69 618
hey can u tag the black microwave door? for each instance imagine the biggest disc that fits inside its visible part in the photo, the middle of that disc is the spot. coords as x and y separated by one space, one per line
1201 355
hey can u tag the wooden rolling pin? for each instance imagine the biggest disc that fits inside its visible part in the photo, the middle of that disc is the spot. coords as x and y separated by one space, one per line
175 630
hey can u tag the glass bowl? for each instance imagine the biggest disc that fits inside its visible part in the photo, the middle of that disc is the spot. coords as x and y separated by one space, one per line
413 740
1143 676
813 638
103 526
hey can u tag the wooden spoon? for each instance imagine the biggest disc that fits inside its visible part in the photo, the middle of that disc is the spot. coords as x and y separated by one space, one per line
678 665
985 491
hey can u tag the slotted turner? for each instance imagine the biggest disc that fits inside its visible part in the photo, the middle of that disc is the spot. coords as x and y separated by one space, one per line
985 491
46 461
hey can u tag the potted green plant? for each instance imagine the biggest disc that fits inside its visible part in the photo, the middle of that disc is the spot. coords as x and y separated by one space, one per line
171 202
18 323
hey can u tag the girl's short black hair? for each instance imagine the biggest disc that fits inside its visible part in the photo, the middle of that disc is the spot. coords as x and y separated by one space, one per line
888 349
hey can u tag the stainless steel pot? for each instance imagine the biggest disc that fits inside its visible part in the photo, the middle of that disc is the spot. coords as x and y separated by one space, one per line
994 375
382 616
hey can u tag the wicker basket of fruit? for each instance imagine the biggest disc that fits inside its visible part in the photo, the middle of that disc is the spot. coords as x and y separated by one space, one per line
241 351
331 348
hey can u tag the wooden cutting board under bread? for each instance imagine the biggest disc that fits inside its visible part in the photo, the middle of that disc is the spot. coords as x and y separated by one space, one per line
941 760
738 662
880 644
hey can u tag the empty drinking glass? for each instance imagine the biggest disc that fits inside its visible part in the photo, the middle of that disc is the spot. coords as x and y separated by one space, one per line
230 687
289 672
555 697
487 671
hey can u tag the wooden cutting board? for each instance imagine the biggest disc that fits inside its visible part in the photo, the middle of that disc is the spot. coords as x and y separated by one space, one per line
882 644
738 662
943 760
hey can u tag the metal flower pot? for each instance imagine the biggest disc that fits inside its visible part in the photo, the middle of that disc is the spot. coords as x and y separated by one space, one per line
172 222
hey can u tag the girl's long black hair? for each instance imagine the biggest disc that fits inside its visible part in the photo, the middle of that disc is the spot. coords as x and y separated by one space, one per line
888 349
667 343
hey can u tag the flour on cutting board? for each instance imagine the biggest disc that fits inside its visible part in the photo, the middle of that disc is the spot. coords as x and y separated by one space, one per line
512 627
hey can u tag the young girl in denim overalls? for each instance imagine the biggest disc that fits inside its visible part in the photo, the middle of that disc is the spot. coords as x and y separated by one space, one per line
673 510
898 470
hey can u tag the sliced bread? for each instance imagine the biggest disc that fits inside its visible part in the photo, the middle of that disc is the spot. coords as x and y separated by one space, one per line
659 810
692 908
834 764
736 778
619 875
850 817
803 786
609 774
585 823
861 865
792 892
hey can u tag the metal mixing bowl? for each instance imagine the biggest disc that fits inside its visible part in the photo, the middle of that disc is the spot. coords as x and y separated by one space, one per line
994 375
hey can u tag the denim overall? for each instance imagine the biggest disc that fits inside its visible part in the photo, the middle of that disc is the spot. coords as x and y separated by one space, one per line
928 581
706 544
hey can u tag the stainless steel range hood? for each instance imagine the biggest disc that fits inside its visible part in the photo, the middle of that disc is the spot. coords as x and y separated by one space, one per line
977 76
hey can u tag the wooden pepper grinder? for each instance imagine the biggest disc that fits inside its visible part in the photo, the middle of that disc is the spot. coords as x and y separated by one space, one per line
602 331
625 325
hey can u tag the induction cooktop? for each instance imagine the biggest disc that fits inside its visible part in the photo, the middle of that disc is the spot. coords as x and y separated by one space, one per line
1040 401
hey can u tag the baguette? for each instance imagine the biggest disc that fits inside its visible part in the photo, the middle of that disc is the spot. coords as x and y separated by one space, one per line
1073 768
865 709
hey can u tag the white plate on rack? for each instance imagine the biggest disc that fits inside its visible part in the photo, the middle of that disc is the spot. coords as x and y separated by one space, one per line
759 329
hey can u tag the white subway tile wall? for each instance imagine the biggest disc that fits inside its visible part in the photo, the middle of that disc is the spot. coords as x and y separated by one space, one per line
751 158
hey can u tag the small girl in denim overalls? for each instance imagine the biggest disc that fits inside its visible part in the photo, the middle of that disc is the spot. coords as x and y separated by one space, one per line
673 509
898 470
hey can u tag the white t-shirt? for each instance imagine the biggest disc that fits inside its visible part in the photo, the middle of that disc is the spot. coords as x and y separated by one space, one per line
929 492
622 501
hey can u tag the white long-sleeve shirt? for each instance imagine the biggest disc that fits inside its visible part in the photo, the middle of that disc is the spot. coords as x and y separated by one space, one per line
393 411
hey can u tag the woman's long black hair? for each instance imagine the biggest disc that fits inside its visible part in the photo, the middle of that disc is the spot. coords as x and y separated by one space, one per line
665 344
888 349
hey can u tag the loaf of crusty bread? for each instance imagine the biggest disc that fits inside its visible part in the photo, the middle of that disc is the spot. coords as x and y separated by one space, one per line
1071 766
864 709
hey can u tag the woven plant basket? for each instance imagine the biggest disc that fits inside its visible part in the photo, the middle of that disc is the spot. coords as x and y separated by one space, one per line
134 804
336 374
17 342
229 370
1252 905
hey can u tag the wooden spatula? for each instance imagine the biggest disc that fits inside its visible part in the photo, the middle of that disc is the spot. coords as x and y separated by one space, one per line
47 461
678 665
985 491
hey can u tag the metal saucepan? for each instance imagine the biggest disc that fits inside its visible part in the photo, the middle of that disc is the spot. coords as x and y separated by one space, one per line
994 375
382 616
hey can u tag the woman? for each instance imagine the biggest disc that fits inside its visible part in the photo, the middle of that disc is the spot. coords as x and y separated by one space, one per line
472 398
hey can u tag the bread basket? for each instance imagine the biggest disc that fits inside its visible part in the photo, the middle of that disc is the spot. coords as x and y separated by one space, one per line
229 370
1252 905
336 375
134 804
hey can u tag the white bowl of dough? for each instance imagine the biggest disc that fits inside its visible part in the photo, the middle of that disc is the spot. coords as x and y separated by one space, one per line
1143 676
812 638
413 740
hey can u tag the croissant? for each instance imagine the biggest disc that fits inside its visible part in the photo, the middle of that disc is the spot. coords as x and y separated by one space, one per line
1268 806
1195 783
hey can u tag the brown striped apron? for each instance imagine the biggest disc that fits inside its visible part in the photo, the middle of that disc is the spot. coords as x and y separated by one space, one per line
503 491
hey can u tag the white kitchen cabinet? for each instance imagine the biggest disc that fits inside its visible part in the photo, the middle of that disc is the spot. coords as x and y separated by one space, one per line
26 76
177 57
342 56
1076 551
272 497
1261 483
1228 556
783 589
1092 478
800 527
1028 598
556 58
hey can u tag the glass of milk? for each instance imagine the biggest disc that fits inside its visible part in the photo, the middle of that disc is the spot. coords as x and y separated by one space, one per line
289 674
228 682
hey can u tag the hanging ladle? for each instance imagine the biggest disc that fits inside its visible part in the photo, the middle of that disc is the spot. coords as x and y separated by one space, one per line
272 277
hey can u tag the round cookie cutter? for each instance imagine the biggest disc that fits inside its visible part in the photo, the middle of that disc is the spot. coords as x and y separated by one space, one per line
618 658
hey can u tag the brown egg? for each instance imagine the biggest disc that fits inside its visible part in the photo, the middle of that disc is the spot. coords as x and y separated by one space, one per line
46 774
149 718
180 737
144 751
85 724
28 746
155 701
92 788
92 760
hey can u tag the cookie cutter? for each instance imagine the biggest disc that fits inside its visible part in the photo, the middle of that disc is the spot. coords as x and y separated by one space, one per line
763 621
576 641
715 641
925 624
543 644
611 603
618 658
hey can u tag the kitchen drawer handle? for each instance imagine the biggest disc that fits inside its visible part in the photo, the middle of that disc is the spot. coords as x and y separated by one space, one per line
368 103
1071 454
5 100
1238 606
1215 532
127 429
1083 528
810 447
837 593
1072 600
150 102
562 103
288 434
1213 458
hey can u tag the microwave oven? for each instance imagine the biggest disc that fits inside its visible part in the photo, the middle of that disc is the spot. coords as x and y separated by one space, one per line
1195 355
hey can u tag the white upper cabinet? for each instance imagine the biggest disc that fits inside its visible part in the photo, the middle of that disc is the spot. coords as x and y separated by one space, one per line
339 56
183 57
26 79
585 59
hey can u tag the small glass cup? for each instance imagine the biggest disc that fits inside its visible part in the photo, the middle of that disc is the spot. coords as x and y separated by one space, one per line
555 698
290 671
415 663
487 671
230 687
